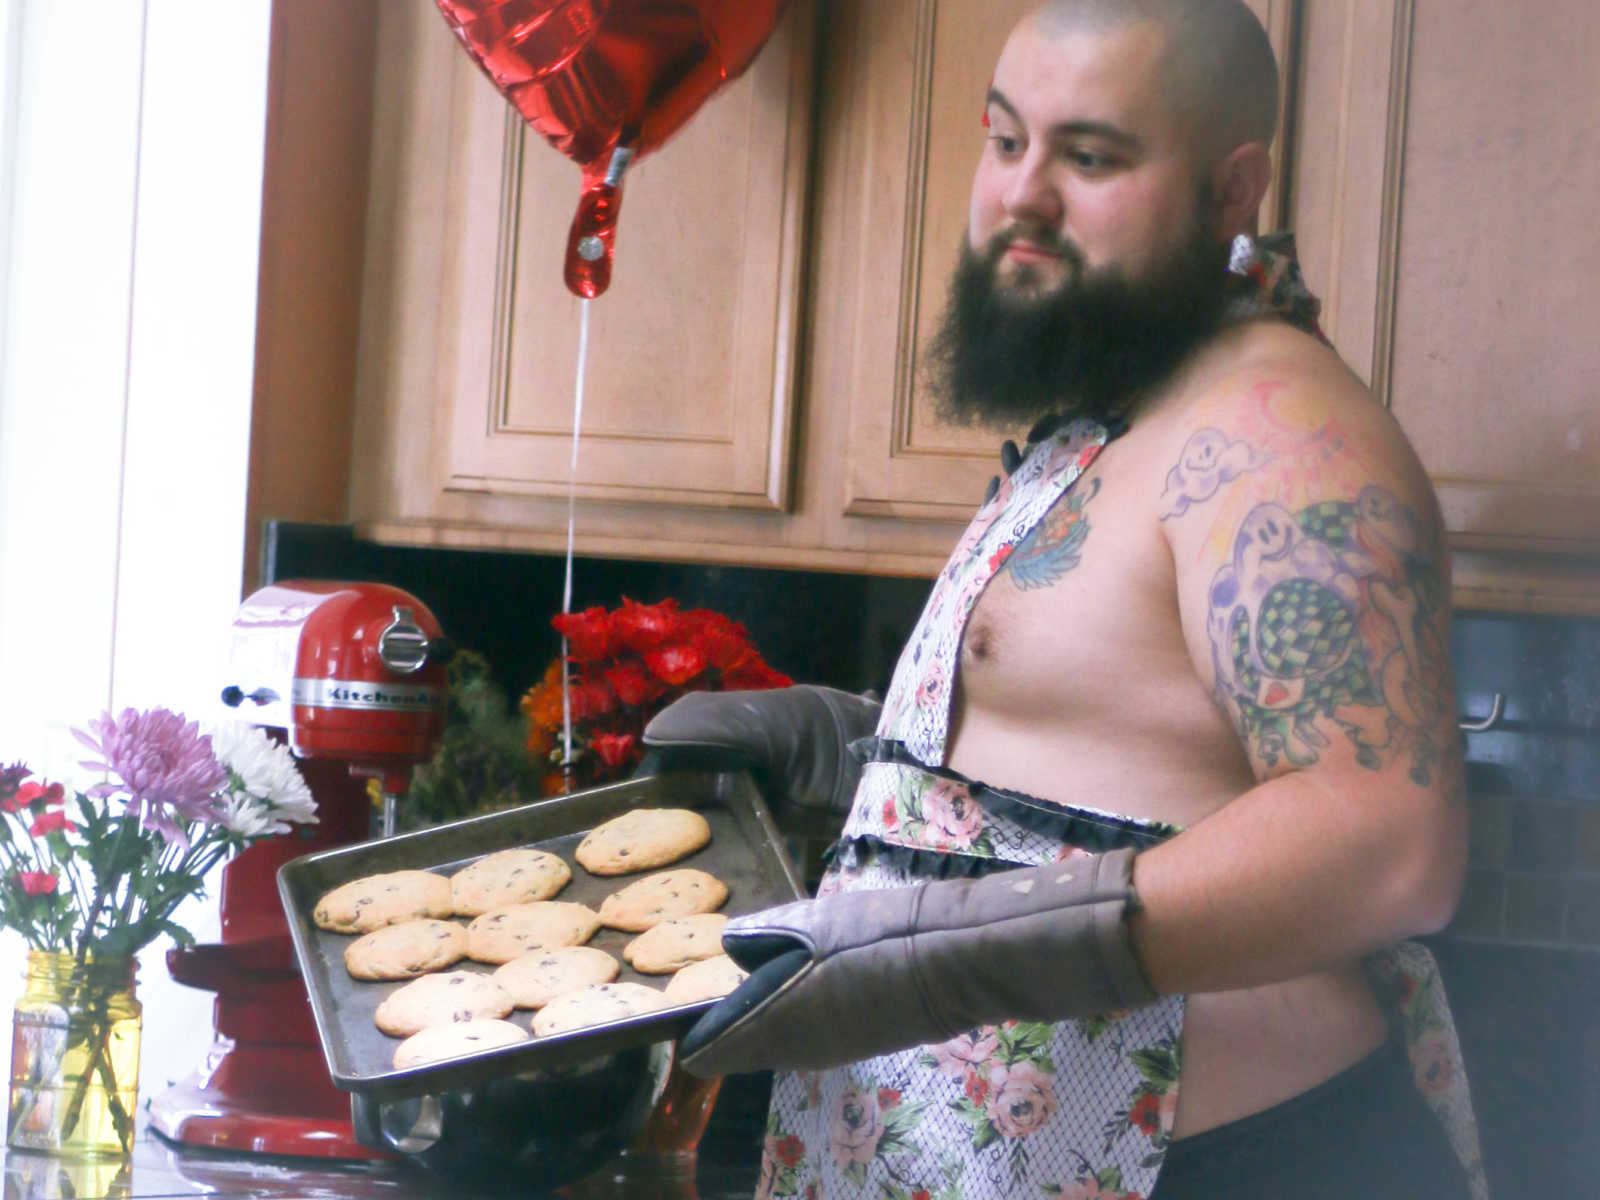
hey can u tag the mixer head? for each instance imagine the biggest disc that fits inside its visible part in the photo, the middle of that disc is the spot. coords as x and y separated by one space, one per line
350 671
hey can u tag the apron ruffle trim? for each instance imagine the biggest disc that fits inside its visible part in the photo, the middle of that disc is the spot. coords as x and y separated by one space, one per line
1074 824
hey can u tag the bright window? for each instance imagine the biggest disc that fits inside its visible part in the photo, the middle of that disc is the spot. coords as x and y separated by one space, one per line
131 136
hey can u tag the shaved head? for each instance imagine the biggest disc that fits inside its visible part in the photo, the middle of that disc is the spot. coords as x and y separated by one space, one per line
1219 72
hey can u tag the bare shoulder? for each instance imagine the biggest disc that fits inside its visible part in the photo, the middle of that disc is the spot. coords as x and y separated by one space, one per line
1313 582
1283 419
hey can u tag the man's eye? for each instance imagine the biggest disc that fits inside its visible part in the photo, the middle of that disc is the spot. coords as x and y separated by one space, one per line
1006 144
1087 160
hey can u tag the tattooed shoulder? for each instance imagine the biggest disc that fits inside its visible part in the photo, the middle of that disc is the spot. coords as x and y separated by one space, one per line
1208 460
1327 621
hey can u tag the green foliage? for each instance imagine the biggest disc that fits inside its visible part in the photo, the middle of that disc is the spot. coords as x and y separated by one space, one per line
482 764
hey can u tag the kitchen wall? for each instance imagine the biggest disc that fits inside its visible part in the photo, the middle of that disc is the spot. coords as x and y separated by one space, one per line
1521 959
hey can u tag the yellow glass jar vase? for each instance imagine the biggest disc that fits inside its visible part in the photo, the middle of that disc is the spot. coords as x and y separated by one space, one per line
75 1056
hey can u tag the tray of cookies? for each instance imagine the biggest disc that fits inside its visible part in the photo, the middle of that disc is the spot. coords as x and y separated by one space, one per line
534 939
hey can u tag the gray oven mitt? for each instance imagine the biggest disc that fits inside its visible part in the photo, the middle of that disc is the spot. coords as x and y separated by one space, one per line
858 974
796 739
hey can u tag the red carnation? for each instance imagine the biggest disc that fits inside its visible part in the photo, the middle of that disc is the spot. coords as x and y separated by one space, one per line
588 634
614 749
725 643
591 698
35 793
789 1150
675 664
633 684
626 664
54 821
38 883
642 627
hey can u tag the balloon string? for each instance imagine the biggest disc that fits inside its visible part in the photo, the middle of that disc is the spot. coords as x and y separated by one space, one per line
572 492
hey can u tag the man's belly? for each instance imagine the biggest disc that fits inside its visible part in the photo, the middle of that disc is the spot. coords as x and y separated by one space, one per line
1243 1051
1246 1051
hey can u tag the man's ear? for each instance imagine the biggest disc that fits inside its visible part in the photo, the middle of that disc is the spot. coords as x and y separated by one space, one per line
1238 183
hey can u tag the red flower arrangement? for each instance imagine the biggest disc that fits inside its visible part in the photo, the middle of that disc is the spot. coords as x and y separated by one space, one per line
624 666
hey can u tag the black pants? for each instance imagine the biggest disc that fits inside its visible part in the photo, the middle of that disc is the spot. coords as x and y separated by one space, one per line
1364 1133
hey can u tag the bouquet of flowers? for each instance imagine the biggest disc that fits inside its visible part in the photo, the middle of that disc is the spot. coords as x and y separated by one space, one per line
84 879
96 874
622 667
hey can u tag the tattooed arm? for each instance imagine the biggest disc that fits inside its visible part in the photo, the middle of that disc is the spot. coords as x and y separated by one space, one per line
1313 588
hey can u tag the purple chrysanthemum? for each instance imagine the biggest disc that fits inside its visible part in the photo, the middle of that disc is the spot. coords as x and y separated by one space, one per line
166 766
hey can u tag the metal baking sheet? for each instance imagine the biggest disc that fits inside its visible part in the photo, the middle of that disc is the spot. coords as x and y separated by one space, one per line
745 852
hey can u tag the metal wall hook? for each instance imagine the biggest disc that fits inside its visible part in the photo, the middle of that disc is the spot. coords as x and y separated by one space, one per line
1497 710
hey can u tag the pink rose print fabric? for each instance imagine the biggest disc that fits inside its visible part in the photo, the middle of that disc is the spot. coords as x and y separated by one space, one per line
963 1056
855 1127
1021 1100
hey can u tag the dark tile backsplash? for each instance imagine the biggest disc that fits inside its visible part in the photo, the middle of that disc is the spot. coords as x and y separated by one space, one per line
1534 779
841 630
1548 742
1519 960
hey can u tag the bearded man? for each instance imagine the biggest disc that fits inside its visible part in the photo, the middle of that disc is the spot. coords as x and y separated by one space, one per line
1168 771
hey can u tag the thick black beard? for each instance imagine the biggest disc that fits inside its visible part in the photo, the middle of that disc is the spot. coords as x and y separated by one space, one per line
1091 347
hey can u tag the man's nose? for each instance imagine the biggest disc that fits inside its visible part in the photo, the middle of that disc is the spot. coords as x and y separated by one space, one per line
1031 193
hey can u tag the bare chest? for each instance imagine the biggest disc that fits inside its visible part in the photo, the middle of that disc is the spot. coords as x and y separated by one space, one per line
1073 664
1081 611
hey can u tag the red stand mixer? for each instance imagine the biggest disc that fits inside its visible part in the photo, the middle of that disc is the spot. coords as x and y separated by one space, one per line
352 675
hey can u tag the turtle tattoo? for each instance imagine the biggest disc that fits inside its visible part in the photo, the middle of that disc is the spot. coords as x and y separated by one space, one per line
1327 613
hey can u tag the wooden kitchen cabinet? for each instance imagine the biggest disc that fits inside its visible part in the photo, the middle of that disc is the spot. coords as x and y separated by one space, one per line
752 394
466 386
1445 177
749 397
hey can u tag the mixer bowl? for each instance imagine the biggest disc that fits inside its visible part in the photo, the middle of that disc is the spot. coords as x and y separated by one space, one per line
534 1129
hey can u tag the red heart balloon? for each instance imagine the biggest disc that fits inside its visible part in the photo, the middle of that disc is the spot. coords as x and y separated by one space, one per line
606 80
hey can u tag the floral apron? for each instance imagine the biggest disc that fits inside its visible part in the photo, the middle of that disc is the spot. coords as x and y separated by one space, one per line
1079 1109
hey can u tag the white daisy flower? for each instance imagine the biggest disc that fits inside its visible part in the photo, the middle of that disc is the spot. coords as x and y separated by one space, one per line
243 814
264 770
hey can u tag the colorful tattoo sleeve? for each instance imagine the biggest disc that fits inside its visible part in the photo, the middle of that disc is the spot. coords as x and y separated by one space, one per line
1326 622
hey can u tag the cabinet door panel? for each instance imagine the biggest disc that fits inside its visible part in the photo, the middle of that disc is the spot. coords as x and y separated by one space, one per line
1446 170
917 142
688 396
1496 363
